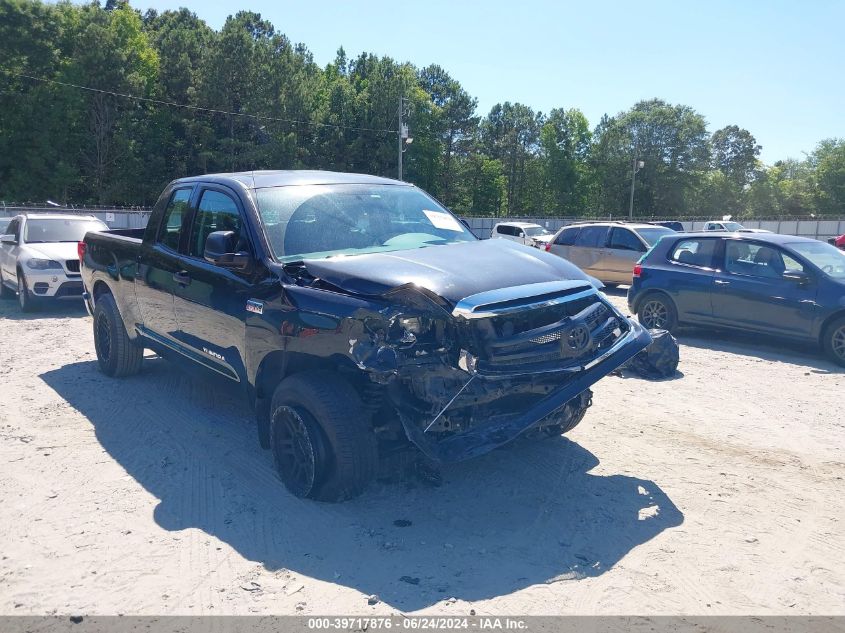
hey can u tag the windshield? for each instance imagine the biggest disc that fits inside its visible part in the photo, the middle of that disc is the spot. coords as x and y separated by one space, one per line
312 221
732 226
535 231
828 258
59 229
652 235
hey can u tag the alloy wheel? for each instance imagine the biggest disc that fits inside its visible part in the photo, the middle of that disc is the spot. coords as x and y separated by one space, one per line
655 315
837 342
297 451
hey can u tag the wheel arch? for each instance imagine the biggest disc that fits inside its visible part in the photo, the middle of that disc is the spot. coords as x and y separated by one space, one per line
644 294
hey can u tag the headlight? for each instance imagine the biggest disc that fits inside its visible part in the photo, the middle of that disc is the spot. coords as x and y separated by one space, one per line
43 264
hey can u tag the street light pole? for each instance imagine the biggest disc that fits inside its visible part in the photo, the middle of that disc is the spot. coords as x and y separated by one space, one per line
636 165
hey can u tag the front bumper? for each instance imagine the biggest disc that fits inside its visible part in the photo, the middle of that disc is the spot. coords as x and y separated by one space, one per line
484 438
53 284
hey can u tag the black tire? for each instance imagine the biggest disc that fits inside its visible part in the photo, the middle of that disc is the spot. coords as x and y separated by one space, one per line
117 355
657 312
833 341
322 440
26 301
5 292
610 286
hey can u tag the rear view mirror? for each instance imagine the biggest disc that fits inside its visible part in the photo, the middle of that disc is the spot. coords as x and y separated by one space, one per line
220 251
798 276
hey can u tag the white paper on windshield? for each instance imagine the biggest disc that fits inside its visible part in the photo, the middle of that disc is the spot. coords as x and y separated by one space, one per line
442 220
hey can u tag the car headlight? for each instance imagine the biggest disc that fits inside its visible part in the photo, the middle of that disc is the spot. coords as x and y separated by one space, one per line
43 264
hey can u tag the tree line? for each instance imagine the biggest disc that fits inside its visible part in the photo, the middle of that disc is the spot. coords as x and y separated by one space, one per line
105 105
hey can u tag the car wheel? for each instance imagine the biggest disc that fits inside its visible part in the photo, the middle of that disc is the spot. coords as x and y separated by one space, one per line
5 292
657 312
570 415
117 355
834 341
26 301
323 444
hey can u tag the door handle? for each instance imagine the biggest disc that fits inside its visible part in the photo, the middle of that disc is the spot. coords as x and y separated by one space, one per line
721 282
182 278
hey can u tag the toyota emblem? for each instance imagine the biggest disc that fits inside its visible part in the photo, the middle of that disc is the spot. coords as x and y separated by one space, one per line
576 340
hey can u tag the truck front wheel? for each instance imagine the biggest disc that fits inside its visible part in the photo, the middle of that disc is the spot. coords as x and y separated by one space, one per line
116 354
322 441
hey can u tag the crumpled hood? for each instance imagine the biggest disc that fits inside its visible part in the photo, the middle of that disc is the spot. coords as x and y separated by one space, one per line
452 272
59 251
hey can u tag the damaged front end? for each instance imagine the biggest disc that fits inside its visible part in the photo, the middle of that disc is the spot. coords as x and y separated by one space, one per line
468 377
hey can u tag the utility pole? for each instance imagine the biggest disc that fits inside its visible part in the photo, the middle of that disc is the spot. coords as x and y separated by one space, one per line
636 165
404 135
401 140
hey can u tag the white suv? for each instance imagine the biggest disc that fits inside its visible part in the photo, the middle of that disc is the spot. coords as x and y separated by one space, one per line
522 232
38 257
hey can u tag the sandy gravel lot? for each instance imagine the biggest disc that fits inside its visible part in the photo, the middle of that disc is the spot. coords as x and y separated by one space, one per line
718 492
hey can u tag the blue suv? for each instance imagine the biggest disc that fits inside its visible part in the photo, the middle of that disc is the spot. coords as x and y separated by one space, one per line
771 284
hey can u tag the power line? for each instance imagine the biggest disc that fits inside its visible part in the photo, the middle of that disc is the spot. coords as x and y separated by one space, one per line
199 108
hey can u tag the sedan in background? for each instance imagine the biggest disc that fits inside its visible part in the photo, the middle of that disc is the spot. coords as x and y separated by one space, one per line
731 227
38 257
606 250
779 285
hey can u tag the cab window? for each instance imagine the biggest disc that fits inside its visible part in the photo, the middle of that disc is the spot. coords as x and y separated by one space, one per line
171 224
216 211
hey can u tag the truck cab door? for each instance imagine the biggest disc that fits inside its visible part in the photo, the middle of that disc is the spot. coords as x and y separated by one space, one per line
158 264
210 301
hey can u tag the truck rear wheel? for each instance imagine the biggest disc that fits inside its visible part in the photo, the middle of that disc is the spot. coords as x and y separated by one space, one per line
322 442
116 354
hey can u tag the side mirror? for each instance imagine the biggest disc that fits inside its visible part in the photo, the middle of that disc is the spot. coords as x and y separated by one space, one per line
219 250
8 239
797 276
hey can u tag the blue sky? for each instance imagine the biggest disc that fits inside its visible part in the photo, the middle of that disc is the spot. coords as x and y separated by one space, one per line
776 68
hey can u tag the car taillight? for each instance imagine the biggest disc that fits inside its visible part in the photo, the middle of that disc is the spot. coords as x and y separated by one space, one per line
638 270
80 250
548 247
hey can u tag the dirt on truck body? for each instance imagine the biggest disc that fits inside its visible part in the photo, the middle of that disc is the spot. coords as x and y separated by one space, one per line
360 315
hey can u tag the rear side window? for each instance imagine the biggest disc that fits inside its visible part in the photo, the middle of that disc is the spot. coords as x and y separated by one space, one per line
171 224
591 236
13 228
624 240
567 237
215 212
506 230
696 252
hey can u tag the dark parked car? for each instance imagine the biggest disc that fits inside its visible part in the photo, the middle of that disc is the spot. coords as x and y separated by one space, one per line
768 283
670 224
360 316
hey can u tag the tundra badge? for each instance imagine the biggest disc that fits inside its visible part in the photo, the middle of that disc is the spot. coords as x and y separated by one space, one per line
255 306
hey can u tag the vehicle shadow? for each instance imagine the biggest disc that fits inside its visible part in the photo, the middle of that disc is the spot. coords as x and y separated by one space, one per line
759 346
9 309
528 514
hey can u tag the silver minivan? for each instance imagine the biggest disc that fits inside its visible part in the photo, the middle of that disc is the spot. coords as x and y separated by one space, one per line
606 250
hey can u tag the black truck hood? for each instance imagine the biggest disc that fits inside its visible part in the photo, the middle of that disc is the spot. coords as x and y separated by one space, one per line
452 272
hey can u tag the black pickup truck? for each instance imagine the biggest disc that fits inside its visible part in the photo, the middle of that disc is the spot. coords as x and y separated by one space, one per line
361 317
